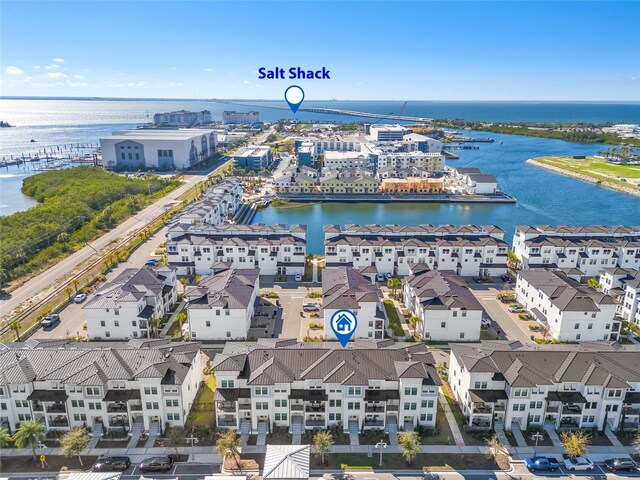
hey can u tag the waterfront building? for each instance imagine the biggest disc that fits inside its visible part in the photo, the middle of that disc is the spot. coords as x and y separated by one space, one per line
123 308
273 249
135 386
345 159
345 288
589 249
158 149
297 180
306 154
250 118
506 384
570 311
411 185
386 133
182 118
421 143
348 181
221 306
623 285
218 203
254 157
468 250
428 162
442 300
394 172
369 385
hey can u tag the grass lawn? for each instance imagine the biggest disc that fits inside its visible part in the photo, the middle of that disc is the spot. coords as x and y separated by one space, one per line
442 434
394 318
596 168
360 461
202 411
475 438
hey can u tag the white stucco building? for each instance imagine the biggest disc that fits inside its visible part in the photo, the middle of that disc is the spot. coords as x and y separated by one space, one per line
158 149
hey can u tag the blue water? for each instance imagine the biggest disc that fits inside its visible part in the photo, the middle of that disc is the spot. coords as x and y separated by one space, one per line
542 197
57 122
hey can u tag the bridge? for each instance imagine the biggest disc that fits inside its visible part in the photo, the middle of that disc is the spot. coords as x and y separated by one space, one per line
336 111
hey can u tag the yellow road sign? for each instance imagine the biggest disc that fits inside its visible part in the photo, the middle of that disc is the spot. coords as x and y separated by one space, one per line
42 458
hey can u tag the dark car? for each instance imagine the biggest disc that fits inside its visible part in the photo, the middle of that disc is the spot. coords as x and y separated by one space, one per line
156 464
505 278
111 464
615 464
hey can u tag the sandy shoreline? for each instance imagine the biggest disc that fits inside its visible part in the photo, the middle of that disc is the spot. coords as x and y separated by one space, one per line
585 178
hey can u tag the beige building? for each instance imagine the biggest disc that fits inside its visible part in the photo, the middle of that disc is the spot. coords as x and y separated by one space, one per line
412 185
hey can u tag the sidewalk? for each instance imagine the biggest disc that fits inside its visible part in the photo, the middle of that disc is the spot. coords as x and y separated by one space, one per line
451 420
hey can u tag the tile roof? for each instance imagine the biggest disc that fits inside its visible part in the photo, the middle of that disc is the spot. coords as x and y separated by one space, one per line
346 287
442 290
231 289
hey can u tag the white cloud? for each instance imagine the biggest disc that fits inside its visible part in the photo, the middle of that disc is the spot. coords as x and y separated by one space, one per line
58 60
246 82
56 75
208 70
173 68
11 70
179 84
37 67
79 77
52 67
78 84
259 86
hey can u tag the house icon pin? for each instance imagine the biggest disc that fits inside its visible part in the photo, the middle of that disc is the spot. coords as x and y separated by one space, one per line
343 324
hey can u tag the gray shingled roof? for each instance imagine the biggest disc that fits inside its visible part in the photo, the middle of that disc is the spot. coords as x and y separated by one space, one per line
283 361
93 363
232 289
346 287
442 290
590 363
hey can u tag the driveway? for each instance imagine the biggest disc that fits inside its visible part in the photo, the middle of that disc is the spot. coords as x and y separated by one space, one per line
295 322
508 324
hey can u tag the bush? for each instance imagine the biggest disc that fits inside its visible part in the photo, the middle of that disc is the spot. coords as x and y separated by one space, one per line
272 295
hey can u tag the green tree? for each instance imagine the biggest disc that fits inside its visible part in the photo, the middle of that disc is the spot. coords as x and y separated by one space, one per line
496 449
181 318
575 443
322 442
394 284
593 283
409 443
75 282
15 326
5 438
228 445
74 442
512 260
175 438
29 435
415 321
154 324
63 237
69 292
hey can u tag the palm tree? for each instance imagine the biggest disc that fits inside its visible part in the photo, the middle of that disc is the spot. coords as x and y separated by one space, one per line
75 282
15 326
228 445
513 260
68 291
154 324
414 321
394 283
409 443
322 443
29 435
5 438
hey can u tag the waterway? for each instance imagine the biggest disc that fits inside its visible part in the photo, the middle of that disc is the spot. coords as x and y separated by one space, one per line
543 197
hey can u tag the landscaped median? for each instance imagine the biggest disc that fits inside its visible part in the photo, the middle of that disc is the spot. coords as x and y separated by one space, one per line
622 178
395 461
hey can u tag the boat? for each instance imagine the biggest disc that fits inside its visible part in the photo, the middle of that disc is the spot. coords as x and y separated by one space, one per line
33 141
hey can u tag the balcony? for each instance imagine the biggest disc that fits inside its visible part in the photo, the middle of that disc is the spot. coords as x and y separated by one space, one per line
56 408
314 408
571 410
116 407
499 408
481 409
478 424
630 411
135 407
38 407
229 407
227 421
392 408
555 409
118 423
244 406
297 407
58 422
314 422
374 409
373 423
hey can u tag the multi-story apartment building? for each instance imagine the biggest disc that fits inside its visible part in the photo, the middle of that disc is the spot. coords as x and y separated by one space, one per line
219 203
624 285
348 181
386 133
429 162
589 249
240 117
411 185
345 159
123 308
221 306
367 385
106 386
254 157
273 249
442 299
468 250
182 118
301 179
511 385
344 288
571 312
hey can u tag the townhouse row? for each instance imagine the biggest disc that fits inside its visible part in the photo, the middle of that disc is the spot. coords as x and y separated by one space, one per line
503 384
369 385
138 385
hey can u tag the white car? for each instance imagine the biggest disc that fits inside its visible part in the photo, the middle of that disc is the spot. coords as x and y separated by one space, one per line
486 321
578 463
81 297
298 277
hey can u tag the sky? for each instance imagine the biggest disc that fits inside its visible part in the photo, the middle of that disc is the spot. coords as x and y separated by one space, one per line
558 51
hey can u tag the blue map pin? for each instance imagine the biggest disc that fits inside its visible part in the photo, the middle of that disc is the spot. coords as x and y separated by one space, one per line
294 95
343 323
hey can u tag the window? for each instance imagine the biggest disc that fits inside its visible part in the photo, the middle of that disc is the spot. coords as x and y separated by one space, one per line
535 405
280 403
261 390
171 403
150 391
226 383
480 385
81 417
77 403
429 417
92 391
614 393
281 417
462 335
22 404
262 406
357 391
353 406
410 405
335 403
173 416
410 391
443 324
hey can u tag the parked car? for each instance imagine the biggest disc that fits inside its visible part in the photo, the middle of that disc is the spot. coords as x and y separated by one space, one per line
152 262
111 464
615 464
505 278
508 298
541 464
298 277
517 309
380 277
486 321
50 320
477 279
81 297
310 307
388 276
156 464
578 464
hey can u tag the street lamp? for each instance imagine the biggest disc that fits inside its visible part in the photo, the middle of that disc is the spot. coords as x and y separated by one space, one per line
193 440
381 445
536 436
